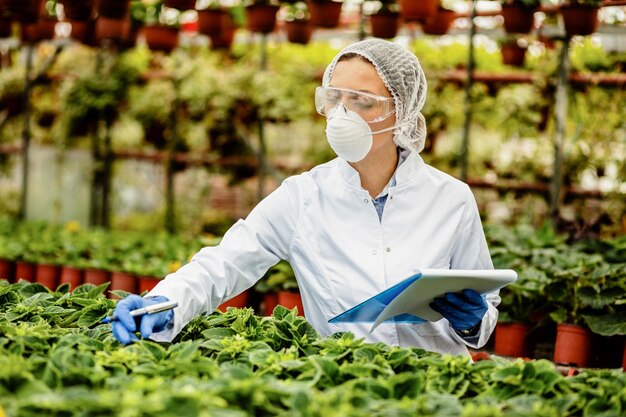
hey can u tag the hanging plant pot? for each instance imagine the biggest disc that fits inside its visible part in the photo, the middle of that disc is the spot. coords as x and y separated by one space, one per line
518 19
47 275
7 269
146 284
40 31
439 23
325 13
25 271
572 345
83 32
261 18
180 4
161 38
238 301
114 30
113 9
270 301
72 276
418 11
291 299
579 19
209 21
123 281
224 39
24 11
299 31
510 339
97 276
78 10
513 54
385 24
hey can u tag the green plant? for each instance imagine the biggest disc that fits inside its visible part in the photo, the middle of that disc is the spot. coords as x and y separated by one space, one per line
280 277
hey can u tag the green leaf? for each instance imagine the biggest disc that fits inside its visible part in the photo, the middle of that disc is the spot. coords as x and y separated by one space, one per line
607 325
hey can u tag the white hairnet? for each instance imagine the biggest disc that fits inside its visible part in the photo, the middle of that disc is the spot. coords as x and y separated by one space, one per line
402 73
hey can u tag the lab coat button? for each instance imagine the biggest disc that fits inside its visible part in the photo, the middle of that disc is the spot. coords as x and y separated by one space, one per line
366 201
388 249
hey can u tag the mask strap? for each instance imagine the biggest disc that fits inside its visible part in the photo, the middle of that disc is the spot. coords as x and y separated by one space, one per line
394 127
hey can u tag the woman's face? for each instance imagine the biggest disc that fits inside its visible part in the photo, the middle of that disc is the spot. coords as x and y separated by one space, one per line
358 74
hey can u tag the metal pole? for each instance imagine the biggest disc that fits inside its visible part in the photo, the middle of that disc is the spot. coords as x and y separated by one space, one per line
560 111
26 132
464 155
261 130
170 195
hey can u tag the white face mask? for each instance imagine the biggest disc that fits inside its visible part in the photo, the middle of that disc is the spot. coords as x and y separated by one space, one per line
348 134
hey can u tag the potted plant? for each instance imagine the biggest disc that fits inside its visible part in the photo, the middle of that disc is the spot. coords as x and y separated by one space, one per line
298 22
439 23
210 18
580 17
261 15
386 20
325 13
513 51
418 11
161 26
519 15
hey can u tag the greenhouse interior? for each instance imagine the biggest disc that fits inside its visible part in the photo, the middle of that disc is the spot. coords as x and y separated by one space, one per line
313 208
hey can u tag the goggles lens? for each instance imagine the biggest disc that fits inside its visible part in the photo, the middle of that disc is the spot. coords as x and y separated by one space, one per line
370 107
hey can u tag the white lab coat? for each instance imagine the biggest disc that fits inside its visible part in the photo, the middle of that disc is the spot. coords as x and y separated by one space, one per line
325 225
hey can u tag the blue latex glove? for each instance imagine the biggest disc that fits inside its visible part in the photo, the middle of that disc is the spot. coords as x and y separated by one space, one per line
125 326
464 310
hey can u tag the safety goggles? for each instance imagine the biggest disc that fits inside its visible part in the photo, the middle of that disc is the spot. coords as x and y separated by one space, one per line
370 107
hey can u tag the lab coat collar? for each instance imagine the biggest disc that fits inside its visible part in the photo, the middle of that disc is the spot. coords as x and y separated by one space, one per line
405 173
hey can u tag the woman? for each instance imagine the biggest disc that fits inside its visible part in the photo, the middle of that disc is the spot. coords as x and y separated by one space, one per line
351 227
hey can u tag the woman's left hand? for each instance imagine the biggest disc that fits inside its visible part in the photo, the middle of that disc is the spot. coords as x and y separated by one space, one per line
464 310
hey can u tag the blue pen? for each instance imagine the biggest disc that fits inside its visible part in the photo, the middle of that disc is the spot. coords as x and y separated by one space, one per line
151 309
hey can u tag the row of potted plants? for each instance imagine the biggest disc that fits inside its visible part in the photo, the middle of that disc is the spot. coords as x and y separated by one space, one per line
580 286
52 255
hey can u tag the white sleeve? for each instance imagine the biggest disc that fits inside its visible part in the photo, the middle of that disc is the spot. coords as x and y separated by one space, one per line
471 252
249 248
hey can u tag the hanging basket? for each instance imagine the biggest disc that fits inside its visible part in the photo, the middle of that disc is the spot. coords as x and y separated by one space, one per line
418 10
113 9
180 4
572 345
385 24
161 38
579 19
325 13
24 11
209 21
261 18
518 19
78 10
299 31
439 23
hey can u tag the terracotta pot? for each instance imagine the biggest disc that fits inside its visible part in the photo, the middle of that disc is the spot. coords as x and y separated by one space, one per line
40 31
511 340
513 54
299 31
180 4
72 276
113 9
439 23
261 18
123 281
572 345
224 39
25 271
83 32
146 284
291 299
115 30
385 24
209 21
238 301
419 10
48 275
579 19
518 19
78 10
97 276
325 14
270 301
161 38
7 269
24 11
